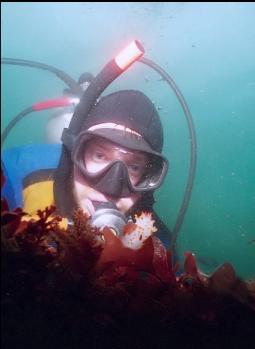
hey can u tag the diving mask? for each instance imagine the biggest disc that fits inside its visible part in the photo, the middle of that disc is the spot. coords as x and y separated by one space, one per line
116 170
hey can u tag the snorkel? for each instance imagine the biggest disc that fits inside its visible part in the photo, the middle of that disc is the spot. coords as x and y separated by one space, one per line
108 74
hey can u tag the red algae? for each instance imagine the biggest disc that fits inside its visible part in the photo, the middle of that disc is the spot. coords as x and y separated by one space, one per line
81 287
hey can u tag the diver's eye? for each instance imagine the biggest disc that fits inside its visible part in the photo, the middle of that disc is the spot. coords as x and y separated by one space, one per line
99 156
135 169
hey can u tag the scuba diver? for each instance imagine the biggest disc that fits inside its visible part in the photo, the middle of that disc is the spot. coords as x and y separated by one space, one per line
116 160
115 164
110 161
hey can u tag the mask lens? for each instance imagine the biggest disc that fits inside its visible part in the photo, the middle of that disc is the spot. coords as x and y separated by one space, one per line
100 153
153 175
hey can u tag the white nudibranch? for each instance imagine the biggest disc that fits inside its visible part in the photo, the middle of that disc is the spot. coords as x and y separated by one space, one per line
136 234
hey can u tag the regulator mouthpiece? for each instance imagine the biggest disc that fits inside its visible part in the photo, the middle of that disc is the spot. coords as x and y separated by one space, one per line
107 215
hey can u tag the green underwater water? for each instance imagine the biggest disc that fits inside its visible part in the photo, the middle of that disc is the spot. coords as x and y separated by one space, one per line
208 49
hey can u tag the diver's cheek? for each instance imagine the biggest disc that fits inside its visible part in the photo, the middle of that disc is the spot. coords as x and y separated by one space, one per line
87 206
81 198
85 195
124 204
134 179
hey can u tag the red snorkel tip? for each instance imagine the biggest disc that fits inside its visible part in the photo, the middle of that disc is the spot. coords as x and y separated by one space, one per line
129 54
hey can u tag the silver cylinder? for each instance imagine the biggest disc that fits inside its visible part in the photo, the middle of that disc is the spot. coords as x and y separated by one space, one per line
111 218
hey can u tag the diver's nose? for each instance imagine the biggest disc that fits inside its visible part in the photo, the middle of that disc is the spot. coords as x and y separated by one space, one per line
115 181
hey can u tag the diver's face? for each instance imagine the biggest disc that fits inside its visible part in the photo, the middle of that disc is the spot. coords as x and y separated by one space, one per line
97 155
